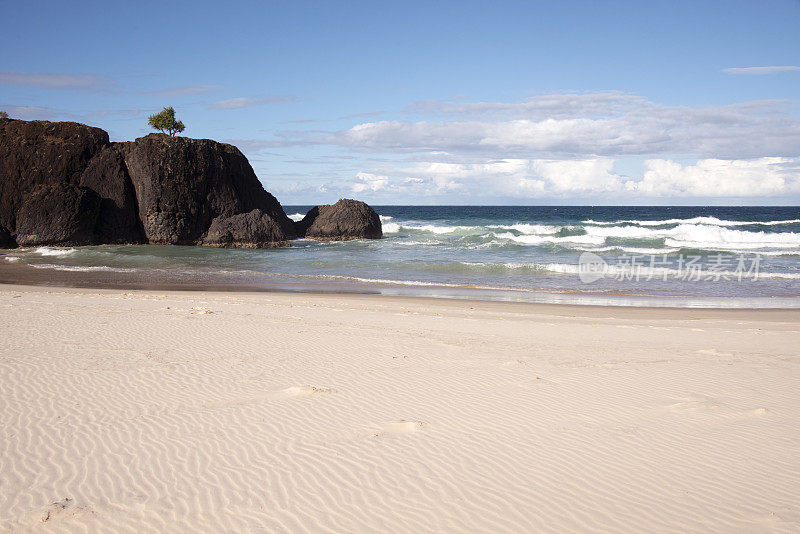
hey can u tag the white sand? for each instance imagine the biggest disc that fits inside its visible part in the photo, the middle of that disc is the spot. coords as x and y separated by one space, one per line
209 412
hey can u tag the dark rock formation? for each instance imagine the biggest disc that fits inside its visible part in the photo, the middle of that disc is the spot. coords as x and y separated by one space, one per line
345 220
118 220
6 241
64 183
255 229
183 184
58 214
34 153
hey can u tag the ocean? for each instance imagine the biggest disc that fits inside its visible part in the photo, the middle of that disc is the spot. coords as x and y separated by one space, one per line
682 256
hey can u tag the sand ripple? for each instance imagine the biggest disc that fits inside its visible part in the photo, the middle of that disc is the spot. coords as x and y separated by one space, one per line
146 412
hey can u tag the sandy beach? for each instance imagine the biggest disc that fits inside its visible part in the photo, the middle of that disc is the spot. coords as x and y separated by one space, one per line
140 411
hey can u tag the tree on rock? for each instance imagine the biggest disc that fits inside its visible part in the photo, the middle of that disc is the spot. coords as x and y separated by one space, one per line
3 115
165 122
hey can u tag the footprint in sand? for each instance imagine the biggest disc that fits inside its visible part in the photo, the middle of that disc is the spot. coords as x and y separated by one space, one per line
57 508
695 403
399 427
700 404
56 511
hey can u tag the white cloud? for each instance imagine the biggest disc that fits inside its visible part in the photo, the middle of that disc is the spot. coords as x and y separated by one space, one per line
428 179
573 126
49 80
757 71
566 145
762 177
521 177
369 182
736 131
554 105
243 102
578 176
588 178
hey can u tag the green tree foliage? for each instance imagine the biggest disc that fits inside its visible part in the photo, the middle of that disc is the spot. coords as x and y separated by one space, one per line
165 122
3 115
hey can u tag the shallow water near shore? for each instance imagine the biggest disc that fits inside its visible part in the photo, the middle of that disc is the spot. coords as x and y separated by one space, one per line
648 256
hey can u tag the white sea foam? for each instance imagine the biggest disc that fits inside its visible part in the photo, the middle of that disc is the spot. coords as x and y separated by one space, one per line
610 271
529 229
698 235
48 251
694 220
630 250
523 228
296 216
787 252
406 243
442 229
563 268
642 271
792 276
83 268
545 239
430 228
388 281
12 259
388 227
702 236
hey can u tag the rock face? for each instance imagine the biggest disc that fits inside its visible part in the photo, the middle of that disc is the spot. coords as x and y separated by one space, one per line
64 183
6 241
118 218
35 153
183 184
254 229
345 220
58 214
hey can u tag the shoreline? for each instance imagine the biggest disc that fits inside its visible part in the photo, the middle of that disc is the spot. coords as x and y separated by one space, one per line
586 311
15 274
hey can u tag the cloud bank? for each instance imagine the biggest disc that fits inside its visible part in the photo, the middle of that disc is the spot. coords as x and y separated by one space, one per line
594 178
572 126
570 146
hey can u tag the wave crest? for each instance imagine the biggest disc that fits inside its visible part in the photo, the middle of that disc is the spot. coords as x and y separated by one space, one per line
49 251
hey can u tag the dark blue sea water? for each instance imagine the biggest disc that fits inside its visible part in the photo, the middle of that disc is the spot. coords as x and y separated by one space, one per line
511 252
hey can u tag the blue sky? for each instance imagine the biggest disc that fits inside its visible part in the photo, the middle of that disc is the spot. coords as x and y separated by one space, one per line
454 103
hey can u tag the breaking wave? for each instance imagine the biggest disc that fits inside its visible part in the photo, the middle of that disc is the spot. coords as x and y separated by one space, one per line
48 251
693 220
653 237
